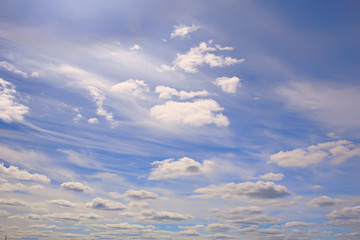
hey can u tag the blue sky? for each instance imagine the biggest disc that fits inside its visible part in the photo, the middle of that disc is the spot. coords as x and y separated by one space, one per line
179 120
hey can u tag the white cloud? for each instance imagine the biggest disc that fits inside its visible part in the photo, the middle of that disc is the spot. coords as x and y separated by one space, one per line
78 116
260 190
62 202
323 201
135 47
197 56
223 48
93 121
8 187
227 84
163 216
297 224
220 227
338 151
10 109
135 195
196 113
16 173
270 176
61 217
316 187
12 68
255 220
103 204
75 186
131 86
331 105
183 30
346 213
185 166
13 202
234 213
168 92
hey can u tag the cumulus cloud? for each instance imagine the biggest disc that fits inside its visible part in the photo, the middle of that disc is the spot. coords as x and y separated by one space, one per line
168 92
134 87
338 151
227 84
75 186
93 121
196 113
8 187
163 216
135 47
62 202
345 213
11 68
260 190
234 213
103 204
10 109
16 173
183 30
135 195
297 224
323 201
185 166
270 176
198 56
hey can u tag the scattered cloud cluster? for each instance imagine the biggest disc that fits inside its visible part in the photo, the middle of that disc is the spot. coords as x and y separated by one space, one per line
227 84
183 30
338 152
15 173
260 189
10 109
183 167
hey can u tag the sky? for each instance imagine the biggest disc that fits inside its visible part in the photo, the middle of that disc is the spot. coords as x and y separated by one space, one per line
178 120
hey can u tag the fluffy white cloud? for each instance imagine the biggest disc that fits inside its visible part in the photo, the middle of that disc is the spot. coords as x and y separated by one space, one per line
8 187
135 195
131 86
271 176
163 216
93 121
183 30
297 224
260 189
103 204
12 68
185 166
168 92
338 151
62 202
135 47
10 109
228 84
198 56
75 186
346 213
323 201
196 113
16 173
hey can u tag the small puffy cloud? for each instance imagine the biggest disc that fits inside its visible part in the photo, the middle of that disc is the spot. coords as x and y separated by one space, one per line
345 213
103 204
93 121
220 227
135 195
131 86
332 135
270 176
323 201
297 224
227 84
75 186
183 30
196 113
185 166
168 92
16 173
198 56
163 216
135 47
338 151
10 109
62 202
11 68
77 117
260 190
